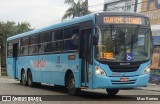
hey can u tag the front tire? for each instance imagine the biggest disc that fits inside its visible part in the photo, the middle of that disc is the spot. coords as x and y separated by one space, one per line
71 85
112 91
23 77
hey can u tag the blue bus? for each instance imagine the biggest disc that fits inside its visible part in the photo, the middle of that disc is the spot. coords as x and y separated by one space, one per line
107 50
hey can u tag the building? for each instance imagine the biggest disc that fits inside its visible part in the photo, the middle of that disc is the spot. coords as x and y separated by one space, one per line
148 7
120 5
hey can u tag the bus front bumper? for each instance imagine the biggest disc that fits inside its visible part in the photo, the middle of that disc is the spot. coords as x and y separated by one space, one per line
114 82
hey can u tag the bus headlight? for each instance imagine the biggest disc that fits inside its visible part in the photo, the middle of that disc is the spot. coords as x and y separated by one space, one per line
99 71
147 70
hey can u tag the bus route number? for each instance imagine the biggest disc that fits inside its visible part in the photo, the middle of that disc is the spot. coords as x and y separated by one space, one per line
106 55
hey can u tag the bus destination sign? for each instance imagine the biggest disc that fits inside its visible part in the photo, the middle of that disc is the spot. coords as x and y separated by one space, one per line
122 20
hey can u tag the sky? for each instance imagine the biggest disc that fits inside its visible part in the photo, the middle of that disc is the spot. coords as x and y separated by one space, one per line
39 13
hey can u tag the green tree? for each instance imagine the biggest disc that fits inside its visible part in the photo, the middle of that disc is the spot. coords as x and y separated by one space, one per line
8 29
85 7
23 27
77 9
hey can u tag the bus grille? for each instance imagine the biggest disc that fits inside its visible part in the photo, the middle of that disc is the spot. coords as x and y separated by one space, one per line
124 69
120 83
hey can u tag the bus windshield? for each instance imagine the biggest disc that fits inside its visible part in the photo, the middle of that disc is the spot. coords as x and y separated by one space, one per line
123 43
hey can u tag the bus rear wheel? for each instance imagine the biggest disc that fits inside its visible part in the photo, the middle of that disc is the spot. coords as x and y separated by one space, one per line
71 85
112 91
23 77
29 79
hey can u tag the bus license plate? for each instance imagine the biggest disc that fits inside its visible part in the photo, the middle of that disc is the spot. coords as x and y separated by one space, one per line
124 79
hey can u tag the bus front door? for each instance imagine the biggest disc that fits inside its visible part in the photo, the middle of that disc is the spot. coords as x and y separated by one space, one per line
85 49
15 54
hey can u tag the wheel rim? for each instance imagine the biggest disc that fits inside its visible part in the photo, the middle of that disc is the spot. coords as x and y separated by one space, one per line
71 85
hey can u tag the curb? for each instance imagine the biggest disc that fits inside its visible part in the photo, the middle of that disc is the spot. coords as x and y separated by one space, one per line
150 90
3 76
154 88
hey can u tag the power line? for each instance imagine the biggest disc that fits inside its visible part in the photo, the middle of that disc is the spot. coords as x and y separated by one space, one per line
93 6
60 19
45 24
96 5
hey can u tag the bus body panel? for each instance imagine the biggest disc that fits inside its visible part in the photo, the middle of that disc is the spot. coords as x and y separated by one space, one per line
15 67
91 76
50 69
10 70
112 80
105 82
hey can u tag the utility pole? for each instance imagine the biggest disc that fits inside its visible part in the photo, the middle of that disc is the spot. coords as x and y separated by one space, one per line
135 6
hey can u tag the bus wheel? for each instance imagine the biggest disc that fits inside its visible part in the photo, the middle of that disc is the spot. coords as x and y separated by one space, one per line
23 77
71 85
29 79
112 91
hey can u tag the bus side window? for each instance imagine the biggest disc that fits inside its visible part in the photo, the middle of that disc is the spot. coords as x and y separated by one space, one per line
9 49
56 43
71 38
75 41
24 45
34 47
44 42
75 37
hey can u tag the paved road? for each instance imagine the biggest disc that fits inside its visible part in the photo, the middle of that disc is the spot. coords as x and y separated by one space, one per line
12 87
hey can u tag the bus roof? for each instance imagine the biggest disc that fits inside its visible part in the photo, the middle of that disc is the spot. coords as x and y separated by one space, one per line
54 26
70 22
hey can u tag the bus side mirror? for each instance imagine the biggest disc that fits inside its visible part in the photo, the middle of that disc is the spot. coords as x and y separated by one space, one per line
152 43
95 40
152 47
